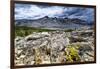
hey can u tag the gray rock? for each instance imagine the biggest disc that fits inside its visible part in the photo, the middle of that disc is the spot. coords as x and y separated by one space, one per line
49 47
49 44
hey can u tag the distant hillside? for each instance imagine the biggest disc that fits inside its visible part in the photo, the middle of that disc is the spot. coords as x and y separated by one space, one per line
52 23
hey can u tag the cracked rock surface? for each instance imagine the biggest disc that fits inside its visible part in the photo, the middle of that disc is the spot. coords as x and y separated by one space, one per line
51 47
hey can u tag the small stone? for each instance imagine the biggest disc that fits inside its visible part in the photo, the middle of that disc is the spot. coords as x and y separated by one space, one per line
32 62
22 56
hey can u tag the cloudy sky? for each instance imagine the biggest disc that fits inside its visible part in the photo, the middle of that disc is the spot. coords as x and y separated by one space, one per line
30 11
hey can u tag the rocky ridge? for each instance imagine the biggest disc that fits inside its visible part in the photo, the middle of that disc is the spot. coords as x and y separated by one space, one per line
52 23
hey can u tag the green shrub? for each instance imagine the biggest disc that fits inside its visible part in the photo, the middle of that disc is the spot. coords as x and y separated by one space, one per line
69 30
24 31
72 53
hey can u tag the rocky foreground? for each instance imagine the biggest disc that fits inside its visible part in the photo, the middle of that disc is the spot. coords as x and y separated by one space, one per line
54 47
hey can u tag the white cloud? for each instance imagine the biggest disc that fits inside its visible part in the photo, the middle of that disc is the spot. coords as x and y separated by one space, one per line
28 11
34 12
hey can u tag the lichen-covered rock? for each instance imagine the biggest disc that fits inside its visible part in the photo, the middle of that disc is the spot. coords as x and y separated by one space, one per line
44 47
54 47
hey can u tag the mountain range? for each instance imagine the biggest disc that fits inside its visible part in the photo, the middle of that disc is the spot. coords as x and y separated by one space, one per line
53 23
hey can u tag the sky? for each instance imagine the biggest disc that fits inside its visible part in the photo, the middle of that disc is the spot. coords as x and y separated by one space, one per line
33 11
